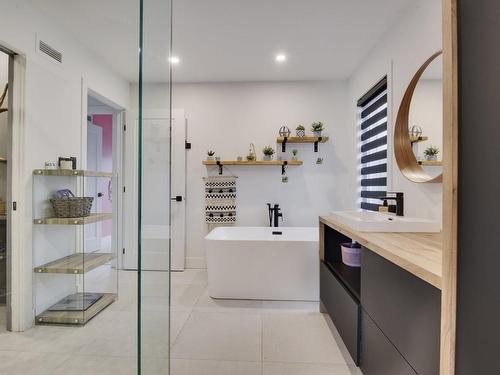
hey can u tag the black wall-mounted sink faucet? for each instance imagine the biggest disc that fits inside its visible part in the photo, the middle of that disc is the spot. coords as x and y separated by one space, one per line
398 208
274 214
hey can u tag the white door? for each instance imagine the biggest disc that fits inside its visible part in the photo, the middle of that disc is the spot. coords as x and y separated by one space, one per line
164 212
94 161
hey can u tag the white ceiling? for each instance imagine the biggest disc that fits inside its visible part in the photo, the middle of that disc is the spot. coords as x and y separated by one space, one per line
230 40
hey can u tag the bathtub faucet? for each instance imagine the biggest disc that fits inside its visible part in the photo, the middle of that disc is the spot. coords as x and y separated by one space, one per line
274 214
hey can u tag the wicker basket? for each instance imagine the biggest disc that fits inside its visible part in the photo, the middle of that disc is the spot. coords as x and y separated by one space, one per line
72 206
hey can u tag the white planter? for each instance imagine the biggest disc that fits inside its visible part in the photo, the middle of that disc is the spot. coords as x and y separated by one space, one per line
431 158
268 157
317 133
300 133
210 158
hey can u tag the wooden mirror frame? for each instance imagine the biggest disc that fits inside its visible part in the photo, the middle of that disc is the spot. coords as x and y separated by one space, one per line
403 151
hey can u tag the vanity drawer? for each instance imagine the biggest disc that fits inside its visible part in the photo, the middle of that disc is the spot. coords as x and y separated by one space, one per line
378 355
405 308
343 308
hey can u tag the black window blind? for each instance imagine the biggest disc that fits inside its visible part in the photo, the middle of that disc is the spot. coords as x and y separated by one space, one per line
372 109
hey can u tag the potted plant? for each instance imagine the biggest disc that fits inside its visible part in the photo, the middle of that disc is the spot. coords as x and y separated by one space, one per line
294 154
251 157
268 152
431 153
210 155
300 131
317 128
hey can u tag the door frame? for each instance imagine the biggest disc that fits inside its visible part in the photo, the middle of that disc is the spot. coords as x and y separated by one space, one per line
119 119
19 301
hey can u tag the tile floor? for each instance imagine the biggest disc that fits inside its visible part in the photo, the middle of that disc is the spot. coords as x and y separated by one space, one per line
219 337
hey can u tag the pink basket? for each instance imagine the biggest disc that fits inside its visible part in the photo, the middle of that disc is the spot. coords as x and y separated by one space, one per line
351 254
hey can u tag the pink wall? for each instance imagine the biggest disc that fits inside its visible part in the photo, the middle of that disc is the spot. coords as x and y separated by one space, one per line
106 123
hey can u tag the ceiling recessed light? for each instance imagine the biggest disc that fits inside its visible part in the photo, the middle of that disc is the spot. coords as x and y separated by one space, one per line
280 58
174 60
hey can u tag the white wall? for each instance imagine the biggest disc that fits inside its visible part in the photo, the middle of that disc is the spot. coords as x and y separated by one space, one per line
226 117
53 118
399 54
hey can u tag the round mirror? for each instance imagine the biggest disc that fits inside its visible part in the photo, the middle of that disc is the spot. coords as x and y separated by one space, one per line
418 134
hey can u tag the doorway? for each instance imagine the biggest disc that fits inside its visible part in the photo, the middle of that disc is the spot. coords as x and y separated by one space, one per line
164 218
104 154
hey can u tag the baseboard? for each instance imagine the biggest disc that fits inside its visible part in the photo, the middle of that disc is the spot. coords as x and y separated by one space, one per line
196 262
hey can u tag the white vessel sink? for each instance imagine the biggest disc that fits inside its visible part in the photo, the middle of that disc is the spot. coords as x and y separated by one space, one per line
367 221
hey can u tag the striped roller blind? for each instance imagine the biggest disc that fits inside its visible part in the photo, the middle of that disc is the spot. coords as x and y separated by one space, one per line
372 109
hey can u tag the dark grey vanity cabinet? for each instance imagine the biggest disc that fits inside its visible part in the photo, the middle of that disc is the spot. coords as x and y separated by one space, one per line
388 318
343 308
379 355
406 311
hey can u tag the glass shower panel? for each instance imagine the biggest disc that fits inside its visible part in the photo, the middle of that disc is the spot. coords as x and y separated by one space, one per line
154 128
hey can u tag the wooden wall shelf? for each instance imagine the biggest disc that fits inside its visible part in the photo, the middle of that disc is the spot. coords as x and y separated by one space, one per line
70 172
77 263
302 139
76 317
253 163
429 163
418 139
92 218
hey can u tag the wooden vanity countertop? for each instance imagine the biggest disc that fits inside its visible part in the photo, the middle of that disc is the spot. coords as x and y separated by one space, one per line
417 253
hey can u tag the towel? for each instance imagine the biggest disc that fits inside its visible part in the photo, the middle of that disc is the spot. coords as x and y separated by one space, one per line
220 199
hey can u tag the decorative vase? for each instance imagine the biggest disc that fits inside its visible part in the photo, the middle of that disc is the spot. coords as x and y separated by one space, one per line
268 157
239 158
431 157
300 133
210 158
317 133
294 158
284 179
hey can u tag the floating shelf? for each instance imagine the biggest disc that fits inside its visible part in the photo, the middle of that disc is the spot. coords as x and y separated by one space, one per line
92 218
418 139
429 163
314 140
77 263
254 162
70 172
302 139
76 317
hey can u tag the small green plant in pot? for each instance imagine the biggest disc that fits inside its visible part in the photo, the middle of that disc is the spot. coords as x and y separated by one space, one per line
294 154
300 131
268 152
317 128
210 155
431 153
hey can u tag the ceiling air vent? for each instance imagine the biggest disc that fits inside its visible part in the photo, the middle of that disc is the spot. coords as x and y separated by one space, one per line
49 51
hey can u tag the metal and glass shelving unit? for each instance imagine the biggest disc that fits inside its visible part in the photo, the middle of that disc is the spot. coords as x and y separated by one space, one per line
75 273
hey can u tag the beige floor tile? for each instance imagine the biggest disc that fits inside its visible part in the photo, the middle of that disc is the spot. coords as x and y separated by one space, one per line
307 369
30 363
190 276
304 338
177 322
285 307
185 296
220 336
203 367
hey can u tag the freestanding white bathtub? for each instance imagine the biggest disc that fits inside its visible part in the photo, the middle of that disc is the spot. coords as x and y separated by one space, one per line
252 263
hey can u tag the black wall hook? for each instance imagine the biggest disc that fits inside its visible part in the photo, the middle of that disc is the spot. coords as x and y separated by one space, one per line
220 166
316 143
283 145
285 163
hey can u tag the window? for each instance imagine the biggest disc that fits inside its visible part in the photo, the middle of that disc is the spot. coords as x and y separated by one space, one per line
372 109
